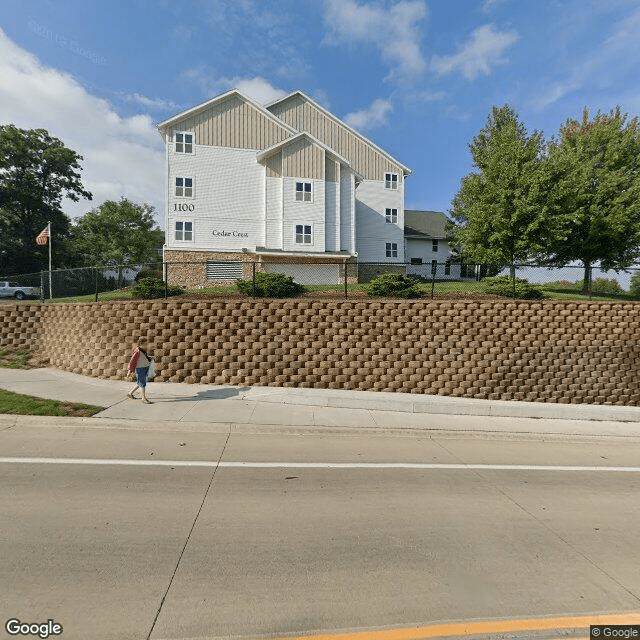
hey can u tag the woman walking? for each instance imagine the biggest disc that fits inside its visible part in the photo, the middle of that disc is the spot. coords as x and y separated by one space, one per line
139 364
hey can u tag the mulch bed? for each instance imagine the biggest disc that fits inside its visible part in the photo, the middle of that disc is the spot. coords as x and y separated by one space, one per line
339 295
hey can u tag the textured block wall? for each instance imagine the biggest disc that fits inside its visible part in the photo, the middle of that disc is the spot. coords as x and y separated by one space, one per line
551 351
20 325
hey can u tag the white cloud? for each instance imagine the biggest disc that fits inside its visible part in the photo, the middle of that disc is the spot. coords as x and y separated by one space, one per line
393 31
257 88
610 66
122 156
482 52
151 103
430 96
375 115
489 5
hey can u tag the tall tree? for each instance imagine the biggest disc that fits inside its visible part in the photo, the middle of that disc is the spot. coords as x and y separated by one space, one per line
36 172
498 209
118 233
594 197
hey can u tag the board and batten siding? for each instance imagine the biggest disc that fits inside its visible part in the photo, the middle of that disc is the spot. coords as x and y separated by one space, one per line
364 158
303 159
232 123
331 170
274 165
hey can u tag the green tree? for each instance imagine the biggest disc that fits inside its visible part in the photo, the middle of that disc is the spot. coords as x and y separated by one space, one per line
498 209
594 196
36 172
118 233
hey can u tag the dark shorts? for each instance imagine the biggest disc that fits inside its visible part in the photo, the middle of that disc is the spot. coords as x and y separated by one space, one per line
141 376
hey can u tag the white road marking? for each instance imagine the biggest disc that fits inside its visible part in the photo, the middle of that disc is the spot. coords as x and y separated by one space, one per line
311 465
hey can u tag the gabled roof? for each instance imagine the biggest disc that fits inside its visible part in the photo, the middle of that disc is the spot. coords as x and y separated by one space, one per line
425 224
273 149
221 98
330 115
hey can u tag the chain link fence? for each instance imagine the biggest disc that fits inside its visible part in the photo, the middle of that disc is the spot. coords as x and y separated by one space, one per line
334 278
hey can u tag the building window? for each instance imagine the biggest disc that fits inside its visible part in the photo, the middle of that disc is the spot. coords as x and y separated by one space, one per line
304 234
184 142
392 250
391 181
184 187
434 245
434 267
447 268
303 191
416 260
391 215
184 230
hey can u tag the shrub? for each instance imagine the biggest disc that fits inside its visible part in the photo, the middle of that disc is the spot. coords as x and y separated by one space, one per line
561 284
148 273
395 285
634 288
503 286
152 287
605 285
271 285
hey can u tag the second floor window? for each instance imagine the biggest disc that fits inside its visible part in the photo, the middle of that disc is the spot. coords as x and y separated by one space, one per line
184 187
435 245
183 142
184 230
391 215
303 192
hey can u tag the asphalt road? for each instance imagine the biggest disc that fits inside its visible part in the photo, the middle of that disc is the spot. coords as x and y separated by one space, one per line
131 534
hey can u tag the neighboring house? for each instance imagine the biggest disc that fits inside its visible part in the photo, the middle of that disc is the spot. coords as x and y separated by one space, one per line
426 247
289 186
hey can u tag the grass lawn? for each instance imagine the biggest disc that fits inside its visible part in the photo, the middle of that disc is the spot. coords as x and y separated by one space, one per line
17 404
442 287
13 359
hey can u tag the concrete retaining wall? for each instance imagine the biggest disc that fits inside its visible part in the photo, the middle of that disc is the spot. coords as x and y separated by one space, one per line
550 351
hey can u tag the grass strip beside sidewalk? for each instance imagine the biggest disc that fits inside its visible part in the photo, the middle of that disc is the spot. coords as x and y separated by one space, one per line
17 404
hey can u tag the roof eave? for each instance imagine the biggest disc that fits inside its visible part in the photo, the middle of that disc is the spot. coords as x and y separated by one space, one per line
165 124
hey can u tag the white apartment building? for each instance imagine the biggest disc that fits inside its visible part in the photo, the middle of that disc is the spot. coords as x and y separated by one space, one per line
288 186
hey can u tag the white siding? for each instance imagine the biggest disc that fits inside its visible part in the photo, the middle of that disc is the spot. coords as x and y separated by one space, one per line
274 213
303 213
347 213
423 248
372 230
332 221
229 198
308 274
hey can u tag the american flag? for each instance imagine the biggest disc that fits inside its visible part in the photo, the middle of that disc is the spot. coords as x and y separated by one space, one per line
43 236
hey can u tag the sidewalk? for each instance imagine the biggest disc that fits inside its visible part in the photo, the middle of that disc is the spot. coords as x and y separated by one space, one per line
189 406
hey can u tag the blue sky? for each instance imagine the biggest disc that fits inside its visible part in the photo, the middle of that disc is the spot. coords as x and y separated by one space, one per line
418 77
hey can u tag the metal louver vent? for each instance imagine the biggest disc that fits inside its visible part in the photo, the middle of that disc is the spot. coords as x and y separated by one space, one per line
224 270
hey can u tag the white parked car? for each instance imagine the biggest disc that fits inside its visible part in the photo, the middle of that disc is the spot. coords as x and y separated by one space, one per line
14 290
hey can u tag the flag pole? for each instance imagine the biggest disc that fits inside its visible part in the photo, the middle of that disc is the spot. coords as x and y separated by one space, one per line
50 285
